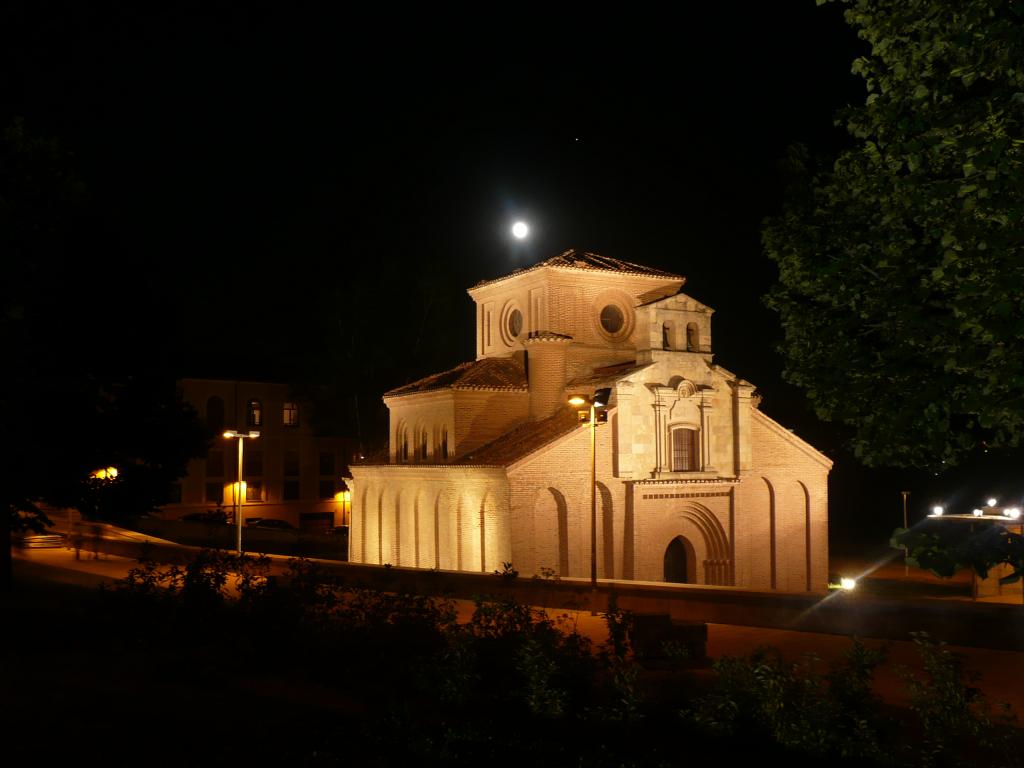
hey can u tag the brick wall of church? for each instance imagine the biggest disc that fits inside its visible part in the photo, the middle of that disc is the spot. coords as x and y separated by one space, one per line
452 518
782 509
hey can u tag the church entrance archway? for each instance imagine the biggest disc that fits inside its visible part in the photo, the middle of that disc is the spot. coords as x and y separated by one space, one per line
680 562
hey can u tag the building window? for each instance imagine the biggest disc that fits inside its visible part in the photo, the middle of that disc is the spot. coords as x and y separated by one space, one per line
326 463
215 414
444 443
666 336
254 413
292 490
692 339
215 464
253 463
684 450
612 319
291 414
254 491
422 446
174 496
326 489
291 463
515 323
215 493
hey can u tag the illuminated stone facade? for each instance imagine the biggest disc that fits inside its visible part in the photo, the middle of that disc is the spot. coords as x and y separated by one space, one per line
488 464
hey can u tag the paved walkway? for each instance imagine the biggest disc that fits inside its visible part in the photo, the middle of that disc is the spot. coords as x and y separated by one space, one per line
1002 672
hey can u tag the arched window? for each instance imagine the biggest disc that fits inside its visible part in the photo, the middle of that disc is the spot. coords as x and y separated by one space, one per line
403 445
684 450
444 443
254 413
666 336
422 445
215 414
692 339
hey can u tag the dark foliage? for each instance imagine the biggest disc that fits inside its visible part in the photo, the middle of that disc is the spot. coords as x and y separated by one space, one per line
395 678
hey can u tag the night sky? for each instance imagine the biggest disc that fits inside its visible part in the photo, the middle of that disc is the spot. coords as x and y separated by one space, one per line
279 189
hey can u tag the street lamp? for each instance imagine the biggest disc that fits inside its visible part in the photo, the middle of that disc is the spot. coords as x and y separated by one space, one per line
230 434
597 405
906 568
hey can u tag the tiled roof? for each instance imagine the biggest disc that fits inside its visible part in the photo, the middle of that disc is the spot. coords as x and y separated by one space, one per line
607 373
523 440
489 373
547 336
585 260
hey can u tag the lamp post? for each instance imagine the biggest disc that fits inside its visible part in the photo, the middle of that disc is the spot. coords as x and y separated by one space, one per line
597 405
241 436
906 568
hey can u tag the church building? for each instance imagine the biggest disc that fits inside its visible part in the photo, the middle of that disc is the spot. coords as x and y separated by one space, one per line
488 463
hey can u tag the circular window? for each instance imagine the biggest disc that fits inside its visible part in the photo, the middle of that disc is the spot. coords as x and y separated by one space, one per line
515 323
612 319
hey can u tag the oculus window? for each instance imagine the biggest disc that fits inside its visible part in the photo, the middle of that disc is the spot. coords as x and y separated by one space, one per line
612 319
515 323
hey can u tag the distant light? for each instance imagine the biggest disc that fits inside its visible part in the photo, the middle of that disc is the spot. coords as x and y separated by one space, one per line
520 230
977 512
991 502
1013 512
847 583
937 510
230 433
106 473
577 400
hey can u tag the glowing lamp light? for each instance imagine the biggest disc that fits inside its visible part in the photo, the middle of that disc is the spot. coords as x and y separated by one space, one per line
847 583
991 502
106 473
520 230
577 400
1013 512
937 510
343 496
977 512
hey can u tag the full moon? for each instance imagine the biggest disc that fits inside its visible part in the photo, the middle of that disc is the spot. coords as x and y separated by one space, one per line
520 230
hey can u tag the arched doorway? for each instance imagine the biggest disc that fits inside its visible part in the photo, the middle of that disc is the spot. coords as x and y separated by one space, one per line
680 562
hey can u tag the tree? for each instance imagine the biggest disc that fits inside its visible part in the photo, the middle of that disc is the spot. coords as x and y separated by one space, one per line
83 387
901 266
946 547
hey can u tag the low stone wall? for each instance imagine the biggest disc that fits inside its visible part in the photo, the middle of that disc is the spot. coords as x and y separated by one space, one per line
844 613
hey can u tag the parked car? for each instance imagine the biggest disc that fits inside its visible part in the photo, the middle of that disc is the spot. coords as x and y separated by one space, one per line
270 522
212 516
